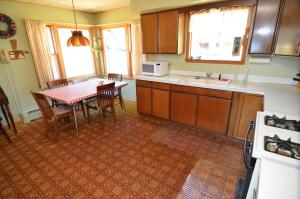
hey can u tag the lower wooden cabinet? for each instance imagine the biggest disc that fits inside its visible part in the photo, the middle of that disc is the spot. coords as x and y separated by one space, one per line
213 113
224 112
248 106
144 99
161 103
184 108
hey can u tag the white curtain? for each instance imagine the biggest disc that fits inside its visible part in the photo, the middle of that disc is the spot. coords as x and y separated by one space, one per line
136 55
37 36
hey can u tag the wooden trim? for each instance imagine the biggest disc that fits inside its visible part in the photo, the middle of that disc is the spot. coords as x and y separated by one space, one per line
128 46
58 50
216 5
244 44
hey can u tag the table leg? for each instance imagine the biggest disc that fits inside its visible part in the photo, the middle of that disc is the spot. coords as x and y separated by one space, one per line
75 118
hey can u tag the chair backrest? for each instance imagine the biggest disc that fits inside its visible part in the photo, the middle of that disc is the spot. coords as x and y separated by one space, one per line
105 95
3 97
114 77
44 105
57 83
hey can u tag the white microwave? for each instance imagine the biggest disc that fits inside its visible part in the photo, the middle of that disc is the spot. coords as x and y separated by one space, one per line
155 68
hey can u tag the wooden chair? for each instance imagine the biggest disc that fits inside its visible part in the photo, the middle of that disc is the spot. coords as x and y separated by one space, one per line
4 104
118 92
61 83
52 115
3 131
104 100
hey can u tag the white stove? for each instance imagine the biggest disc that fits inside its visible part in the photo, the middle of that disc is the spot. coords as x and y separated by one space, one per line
262 130
275 175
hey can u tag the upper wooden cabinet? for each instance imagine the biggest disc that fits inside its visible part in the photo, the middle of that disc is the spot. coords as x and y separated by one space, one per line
163 32
288 38
264 27
149 24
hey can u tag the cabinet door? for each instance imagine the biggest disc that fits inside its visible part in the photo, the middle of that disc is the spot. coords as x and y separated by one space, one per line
168 31
183 108
160 103
213 113
288 38
149 24
144 98
264 26
248 107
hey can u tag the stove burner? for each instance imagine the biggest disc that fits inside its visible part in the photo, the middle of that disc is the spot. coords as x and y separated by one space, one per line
283 123
282 147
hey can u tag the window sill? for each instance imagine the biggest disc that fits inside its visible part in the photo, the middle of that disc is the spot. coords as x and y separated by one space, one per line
242 62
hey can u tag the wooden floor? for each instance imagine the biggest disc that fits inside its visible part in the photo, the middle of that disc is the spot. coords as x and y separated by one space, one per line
134 157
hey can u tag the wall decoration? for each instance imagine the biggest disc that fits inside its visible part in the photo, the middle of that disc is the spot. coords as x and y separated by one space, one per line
3 56
11 27
15 54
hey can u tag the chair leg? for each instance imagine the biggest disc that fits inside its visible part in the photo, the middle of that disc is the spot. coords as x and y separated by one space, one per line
83 109
88 113
11 118
2 130
4 111
113 111
46 127
121 100
55 130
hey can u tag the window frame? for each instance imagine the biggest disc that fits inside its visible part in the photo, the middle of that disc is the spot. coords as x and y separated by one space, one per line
58 51
128 47
244 44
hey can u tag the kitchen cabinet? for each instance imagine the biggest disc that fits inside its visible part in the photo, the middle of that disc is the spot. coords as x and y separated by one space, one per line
144 100
213 114
288 37
160 100
183 108
264 27
149 24
163 32
248 106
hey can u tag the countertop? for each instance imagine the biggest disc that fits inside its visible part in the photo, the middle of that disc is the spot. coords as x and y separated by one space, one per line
278 98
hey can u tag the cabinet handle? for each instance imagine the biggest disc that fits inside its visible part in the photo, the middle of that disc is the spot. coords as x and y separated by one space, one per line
298 49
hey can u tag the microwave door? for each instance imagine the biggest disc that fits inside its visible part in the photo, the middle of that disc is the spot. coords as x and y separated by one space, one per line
148 69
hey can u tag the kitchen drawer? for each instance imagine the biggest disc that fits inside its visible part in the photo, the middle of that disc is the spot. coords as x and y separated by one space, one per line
203 91
162 86
214 93
185 89
143 83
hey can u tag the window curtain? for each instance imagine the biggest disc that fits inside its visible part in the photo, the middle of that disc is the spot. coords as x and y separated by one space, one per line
136 54
37 36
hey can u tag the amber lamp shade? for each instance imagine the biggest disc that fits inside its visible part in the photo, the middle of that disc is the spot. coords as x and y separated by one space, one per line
78 39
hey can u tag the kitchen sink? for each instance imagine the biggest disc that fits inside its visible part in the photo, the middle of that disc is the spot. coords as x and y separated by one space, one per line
208 81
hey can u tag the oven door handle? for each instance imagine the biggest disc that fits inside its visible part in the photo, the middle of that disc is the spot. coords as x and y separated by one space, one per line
248 147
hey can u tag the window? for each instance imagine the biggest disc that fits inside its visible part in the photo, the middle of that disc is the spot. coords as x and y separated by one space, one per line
70 62
116 49
218 35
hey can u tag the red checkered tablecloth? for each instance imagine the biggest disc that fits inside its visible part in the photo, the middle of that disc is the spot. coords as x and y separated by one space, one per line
75 93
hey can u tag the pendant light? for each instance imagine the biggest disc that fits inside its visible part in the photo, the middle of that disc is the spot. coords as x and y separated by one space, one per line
77 39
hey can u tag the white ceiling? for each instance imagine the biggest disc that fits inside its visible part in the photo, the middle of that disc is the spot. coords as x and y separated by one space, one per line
91 6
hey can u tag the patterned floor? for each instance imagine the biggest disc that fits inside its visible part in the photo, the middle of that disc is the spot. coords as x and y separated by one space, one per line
134 157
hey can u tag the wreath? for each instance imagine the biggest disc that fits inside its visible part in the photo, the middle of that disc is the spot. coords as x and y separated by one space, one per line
11 27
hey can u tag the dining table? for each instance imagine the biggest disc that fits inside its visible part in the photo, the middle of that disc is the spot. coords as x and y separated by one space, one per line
72 94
